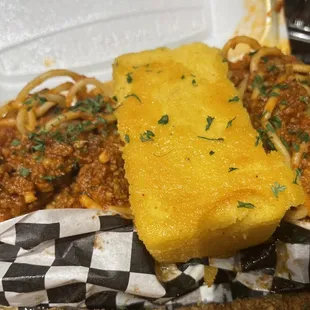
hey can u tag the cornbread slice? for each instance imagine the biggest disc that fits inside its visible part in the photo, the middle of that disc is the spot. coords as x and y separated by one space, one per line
198 184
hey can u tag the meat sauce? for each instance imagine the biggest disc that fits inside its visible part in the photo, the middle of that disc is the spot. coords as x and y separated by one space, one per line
61 165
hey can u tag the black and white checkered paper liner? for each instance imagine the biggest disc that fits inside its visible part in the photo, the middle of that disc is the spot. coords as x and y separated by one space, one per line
85 258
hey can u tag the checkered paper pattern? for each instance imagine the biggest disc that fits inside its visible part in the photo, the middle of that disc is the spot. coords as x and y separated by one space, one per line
87 258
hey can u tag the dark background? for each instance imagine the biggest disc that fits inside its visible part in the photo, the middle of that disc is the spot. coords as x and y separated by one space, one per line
298 22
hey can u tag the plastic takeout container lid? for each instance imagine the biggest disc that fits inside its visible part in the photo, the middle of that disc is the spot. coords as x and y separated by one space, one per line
86 36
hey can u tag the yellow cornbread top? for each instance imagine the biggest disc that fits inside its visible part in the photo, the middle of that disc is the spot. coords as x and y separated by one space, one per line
197 168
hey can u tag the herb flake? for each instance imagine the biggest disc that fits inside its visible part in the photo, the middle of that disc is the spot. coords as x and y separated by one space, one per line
24 172
234 99
194 83
229 123
298 175
231 169
211 139
276 122
15 142
49 178
247 205
129 77
127 138
148 135
304 99
277 188
133 95
164 120
209 121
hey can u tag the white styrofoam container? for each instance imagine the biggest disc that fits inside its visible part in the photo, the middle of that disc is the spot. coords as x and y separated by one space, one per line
86 35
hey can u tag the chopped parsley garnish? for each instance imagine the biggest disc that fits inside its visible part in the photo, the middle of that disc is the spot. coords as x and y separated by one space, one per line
283 102
56 110
34 98
304 99
274 94
260 136
303 136
164 120
147 136
183 77
234 99
230 169
272 68
15 142
129 77
269 127
224 60
92 105
209 120
305 82
194 83
39 147
276 122
247 205
115 98
28 101
265 59
127 138
296 146
211 139
211 153
259 83
74 130
108 108
24 172
42 99
229 123
280 86
49 178
133 95
37 138
277 188
101 120
298 175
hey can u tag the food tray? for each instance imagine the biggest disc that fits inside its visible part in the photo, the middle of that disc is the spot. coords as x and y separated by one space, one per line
88 258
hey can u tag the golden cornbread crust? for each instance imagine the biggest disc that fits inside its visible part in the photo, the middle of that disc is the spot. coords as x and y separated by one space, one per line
199 179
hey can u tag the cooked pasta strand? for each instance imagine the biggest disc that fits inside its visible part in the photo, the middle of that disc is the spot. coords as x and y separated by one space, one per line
301 68
296 213
42 78
264 51
8 122
74 89
60 88
254 45
68 116
44 108
21 120
32 120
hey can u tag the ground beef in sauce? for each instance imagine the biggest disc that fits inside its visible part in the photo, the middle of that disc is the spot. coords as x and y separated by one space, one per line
59 166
